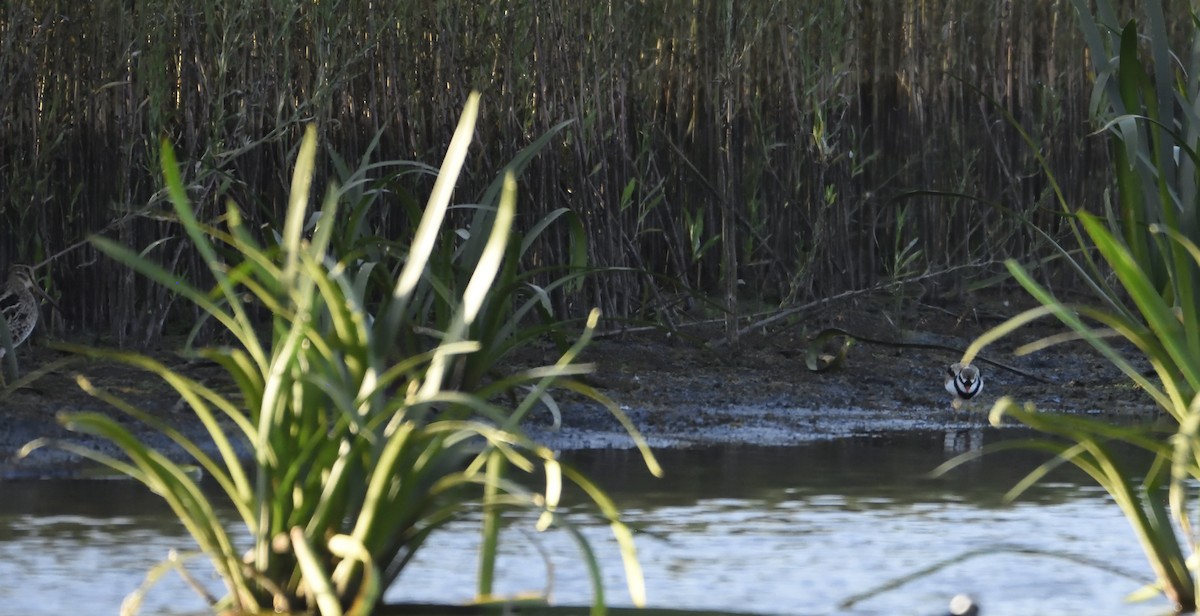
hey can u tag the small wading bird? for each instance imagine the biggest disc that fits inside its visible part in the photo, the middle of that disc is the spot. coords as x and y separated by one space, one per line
964 381
18 305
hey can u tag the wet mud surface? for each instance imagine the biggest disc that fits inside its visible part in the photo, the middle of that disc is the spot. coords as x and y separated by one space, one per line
687 389
682 394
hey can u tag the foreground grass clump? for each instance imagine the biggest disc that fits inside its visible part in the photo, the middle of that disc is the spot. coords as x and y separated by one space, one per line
1145 292
358 454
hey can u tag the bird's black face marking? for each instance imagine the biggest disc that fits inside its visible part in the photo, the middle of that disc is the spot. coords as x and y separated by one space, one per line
964 381
967 385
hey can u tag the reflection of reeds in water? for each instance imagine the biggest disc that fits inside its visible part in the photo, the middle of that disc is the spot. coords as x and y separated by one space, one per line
784 128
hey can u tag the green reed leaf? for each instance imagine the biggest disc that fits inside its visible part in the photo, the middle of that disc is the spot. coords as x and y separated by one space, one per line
298 203
431 220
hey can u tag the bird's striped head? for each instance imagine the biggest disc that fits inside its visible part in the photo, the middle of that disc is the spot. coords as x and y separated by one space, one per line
21 276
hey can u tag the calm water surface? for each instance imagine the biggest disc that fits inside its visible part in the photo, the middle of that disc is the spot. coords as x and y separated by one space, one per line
794 530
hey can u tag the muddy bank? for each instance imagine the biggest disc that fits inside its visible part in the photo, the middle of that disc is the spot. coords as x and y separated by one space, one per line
687 393
684 393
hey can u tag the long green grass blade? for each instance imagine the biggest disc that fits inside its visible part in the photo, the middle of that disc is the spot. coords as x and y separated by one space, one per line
431 221
490 529
315 577
298 203
195 231
1158 314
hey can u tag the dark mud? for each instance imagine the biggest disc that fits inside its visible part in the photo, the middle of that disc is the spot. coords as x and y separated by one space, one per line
680 391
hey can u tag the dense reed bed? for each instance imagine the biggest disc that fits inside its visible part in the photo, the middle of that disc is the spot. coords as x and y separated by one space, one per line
764 139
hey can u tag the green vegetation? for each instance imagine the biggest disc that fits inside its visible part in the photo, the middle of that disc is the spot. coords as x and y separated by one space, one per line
1146 290
715 149
765 140
369 419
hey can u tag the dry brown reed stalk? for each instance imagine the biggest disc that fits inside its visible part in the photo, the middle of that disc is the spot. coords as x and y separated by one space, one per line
806 118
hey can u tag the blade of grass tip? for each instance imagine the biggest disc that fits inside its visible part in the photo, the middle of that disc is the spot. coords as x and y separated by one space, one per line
313 574
163 277
1116 327
552 375
515 167
1012 324
647 455
183 205
331 498
626 423
634 579
1144 339
1062 455
991 448
493 252
536 230
498 440
435 211
120 466
132 603
293 225
555 412
553 492
347 548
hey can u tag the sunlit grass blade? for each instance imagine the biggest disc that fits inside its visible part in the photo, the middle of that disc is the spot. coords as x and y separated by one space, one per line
431 220
479 284
316 580
634 578
298 204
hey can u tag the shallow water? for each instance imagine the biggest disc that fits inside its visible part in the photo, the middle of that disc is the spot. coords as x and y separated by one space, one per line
794 530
